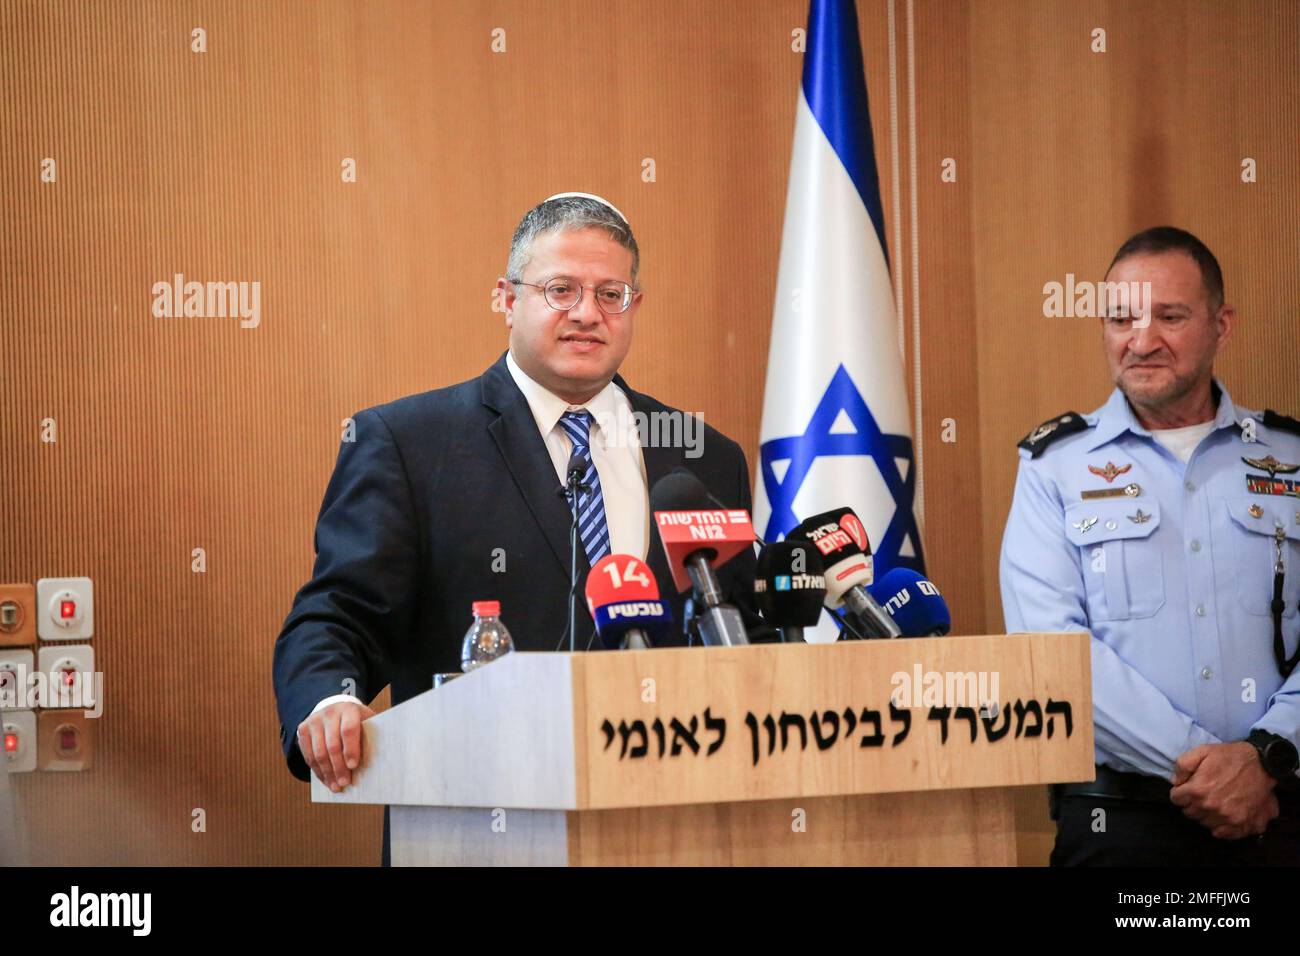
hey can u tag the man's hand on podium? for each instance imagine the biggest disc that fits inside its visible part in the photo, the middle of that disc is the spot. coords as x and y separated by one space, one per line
330 741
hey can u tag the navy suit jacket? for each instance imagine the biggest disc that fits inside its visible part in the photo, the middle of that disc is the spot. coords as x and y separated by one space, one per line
430 495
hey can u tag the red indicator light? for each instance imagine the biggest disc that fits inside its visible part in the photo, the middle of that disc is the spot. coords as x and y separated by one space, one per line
11 743
67 740
68 609
69 677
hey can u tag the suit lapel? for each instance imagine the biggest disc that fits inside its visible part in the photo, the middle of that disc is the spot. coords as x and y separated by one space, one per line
525 455
659 461
516 436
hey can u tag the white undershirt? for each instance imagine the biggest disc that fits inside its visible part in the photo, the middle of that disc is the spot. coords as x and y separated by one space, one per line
1183 441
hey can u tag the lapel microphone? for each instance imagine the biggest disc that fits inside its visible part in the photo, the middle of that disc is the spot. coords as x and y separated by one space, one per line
575 470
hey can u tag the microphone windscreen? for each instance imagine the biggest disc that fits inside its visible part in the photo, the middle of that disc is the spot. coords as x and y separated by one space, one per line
620 577
651 618
576 465
914 602
680 490
690 523
623 595
846 552
839 528
789 585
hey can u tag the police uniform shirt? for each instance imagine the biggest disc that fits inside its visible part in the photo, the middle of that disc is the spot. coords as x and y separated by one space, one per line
1170 565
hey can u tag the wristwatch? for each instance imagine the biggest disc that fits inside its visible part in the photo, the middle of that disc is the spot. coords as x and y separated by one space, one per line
1277 754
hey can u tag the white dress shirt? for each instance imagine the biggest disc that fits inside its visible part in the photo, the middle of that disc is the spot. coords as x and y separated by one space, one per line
615 450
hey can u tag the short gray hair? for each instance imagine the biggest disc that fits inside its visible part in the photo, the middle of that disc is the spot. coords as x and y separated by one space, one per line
568 212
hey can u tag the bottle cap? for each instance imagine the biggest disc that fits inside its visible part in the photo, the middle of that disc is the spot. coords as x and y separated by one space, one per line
486 608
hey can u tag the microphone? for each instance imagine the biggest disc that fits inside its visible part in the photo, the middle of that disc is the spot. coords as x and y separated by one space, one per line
574 472
698 537
842 541
790 586
573 484
623 598
914 603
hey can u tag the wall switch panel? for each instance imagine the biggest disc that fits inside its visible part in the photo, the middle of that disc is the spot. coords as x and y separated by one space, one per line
64 741
16 667
18 742
69 675
65 609
17 615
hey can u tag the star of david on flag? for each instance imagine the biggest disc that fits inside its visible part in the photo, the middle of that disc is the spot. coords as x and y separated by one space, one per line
836 424
825 436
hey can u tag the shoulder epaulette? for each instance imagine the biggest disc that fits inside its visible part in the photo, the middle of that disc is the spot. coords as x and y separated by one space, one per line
1051 430
1281 422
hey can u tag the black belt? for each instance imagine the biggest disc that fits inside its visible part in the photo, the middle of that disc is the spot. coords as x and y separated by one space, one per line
1120 786
1147 789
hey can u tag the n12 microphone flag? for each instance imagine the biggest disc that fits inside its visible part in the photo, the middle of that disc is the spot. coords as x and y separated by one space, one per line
836 428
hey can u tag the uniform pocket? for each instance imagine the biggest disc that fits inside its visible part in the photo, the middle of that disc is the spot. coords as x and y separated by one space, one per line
1122 568
1253 526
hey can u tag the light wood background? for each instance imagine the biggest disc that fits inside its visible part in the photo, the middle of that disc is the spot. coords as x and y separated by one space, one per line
175 434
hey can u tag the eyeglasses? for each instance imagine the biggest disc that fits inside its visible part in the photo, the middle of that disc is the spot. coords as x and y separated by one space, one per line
564 293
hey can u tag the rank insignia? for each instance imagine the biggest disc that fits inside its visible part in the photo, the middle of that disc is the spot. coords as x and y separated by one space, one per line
1086 524
1272 466
1110 472
1140 518
1259 485
1052 430
1043 430
1256 511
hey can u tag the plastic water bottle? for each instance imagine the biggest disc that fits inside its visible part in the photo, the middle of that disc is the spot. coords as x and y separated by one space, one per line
487 639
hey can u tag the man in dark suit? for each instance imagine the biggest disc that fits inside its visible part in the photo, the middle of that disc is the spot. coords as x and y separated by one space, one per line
455 495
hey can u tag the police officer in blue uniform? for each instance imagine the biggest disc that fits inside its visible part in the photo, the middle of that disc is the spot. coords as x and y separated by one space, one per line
1167 524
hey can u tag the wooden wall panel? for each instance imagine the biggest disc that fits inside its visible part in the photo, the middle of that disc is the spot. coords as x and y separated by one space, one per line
952 439
175 434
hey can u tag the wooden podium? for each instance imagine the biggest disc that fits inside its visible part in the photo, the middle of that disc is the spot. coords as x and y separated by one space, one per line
854 753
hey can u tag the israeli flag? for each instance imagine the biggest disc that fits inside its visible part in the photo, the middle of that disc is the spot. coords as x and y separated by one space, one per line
836 428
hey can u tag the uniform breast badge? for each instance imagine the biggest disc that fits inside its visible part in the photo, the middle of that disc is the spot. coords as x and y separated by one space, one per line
1110 472
1272 485
1131 490
1272 466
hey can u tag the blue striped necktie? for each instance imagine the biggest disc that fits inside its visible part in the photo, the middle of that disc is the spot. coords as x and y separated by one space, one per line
593 528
